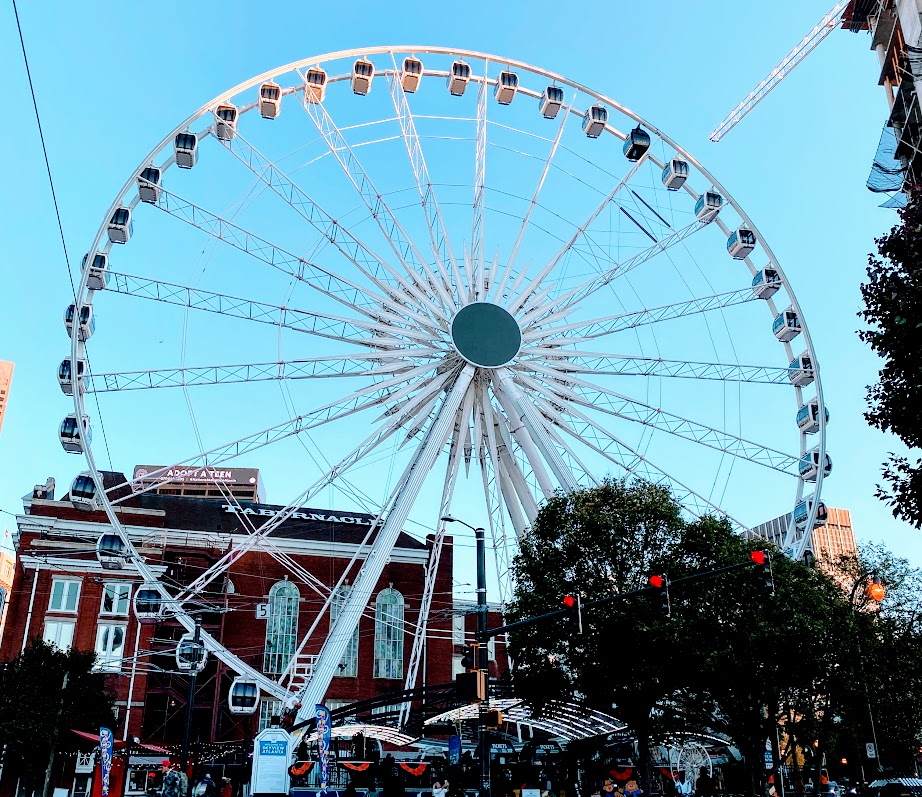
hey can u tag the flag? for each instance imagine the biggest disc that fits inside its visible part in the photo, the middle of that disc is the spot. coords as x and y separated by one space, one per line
322 713
105 758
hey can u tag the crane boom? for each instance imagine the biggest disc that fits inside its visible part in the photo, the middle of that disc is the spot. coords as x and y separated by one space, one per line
825 26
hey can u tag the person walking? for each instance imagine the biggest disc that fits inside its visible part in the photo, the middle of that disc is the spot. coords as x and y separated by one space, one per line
172 784
682 786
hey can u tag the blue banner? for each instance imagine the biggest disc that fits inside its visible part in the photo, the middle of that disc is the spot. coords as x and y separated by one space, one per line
322 714
105 758
454 749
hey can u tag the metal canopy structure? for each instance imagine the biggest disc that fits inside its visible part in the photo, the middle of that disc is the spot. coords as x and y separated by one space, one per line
565 720
382 732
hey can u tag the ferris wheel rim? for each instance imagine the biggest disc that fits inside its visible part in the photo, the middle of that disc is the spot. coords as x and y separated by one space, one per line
84 293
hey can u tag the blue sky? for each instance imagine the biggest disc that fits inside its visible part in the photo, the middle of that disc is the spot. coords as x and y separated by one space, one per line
113 79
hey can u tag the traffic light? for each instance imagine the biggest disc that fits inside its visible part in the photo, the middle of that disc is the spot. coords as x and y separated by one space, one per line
661 585
469 657
765 583
493 719
574 616
471 686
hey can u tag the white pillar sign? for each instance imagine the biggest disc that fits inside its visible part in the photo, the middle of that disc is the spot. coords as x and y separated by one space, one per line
271 758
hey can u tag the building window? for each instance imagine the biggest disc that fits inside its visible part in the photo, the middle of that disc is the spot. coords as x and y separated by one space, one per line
267 710
115 598
82 785
457 629
389 634
110 645
59 633
65 595
349 664
282 627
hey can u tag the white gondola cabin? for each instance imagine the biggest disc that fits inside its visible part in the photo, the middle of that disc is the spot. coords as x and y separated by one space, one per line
808 417
73 432
190 655
66 376
185 149
594 120
765 283
809 465
363 72
111 551
708 206
120 226
507 84
636 144
551 101
226 121
148 604
315 85
149 184
270 100
675 174
802 511
83 493
741 243
458 77
86 322
243 696
800 371
786 325
411 74
96 279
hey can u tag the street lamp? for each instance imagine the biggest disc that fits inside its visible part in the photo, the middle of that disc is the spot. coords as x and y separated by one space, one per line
482 663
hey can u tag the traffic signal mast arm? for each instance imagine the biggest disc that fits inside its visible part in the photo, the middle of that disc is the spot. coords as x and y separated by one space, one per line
489 633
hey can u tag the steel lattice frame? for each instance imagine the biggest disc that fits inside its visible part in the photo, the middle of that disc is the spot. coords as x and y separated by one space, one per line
536 421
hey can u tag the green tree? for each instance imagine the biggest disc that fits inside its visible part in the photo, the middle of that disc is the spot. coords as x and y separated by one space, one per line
36 710
893 311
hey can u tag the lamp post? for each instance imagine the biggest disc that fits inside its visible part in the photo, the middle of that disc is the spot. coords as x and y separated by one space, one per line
483 663
874 588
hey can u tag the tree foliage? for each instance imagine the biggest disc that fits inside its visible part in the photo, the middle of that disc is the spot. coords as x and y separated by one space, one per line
36 713
893 311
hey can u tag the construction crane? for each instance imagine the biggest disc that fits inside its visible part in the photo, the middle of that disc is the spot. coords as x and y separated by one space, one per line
826 25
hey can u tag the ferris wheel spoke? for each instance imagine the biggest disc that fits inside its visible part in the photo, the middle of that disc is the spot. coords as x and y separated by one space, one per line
594 397
581 331
402 499
600 439
531 290
438 230
604 365
566 301
515 480
311 368
367 262
323 280
401 244
475 289
500 285
346 330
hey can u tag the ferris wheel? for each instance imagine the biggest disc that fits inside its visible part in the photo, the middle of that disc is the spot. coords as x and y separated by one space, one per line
407 276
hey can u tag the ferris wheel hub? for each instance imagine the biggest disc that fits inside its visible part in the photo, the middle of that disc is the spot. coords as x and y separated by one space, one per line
486 334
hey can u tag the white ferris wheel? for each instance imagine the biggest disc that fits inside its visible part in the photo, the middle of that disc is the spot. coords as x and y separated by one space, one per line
402 276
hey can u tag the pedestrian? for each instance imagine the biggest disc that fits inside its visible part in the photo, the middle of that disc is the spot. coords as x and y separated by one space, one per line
171 786
440 789
227 788
682 786
206 787
705 785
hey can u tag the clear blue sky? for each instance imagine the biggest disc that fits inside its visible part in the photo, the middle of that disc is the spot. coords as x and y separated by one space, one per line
113 78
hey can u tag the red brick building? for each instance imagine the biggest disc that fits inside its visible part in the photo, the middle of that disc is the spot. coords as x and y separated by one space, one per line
62 593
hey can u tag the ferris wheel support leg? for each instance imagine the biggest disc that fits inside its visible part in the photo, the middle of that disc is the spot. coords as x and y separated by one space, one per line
405 496
515 404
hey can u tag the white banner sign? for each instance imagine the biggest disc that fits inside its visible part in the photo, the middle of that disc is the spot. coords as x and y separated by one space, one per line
271 758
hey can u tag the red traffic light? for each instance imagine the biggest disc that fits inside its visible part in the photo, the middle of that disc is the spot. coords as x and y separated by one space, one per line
657 581
758 557
569 601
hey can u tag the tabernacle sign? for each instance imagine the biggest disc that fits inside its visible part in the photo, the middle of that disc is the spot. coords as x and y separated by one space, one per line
271 757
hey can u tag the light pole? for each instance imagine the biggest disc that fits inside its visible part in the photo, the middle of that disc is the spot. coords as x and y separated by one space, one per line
483 663
874 588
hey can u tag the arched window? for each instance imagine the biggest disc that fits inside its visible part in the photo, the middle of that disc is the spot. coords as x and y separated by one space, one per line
389 634
282 627
349 664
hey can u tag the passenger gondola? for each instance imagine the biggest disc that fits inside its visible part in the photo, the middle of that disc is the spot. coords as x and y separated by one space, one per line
458 78
148 604
65 376
315 85
786 325
802 511
636 144
225 121
551 102
83 493
800 371
190 655
808 417
96 279
270 100
594 120
185 149
809 465
411 74
363 72
149 185
86 324
741 243
507 84
243 696
765 283
120 226
111 551
72 433
708 206
675 174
